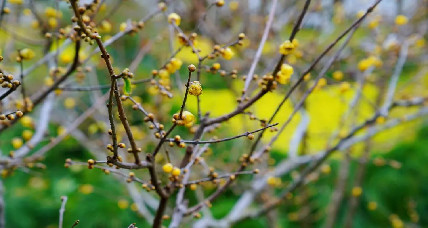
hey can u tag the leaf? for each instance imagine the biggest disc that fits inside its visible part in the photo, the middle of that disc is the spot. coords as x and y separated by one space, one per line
127 88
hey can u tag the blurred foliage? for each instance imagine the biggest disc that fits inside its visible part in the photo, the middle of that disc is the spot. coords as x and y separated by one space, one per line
98 201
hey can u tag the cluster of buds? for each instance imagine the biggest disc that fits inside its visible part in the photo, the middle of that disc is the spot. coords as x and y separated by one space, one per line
177 141
187 119
226 52
7 81
80 73
213 175
267 80
169 168
186 41
11 116
91 163
148 187
127 74
369 62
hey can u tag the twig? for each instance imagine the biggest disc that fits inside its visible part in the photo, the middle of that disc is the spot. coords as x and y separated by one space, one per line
62 210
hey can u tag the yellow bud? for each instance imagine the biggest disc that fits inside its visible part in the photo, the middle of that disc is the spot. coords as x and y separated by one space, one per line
69 103
27 53
372 205
338 75
286 48
357 191
176 172
227 53
17 143
401 20
27 134
167 168
173 17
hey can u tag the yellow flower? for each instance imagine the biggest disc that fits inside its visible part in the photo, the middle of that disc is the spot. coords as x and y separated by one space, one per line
357 191
105 27
283 77
372 205
234 5
364 64
176 172
322 82
195 88
338 75
216 66
176 64
167 168
401 20
173 17
193 187
273 181
34 24
286 48
52 22
219 3
287 69
360 13
122 26
17 2
26 121
307 77
49 81
326 169
27 134
380 120
163 74
86 189
187 119
373 23
27 53
69 103
51 12
227 53
123 204
345 86
17 143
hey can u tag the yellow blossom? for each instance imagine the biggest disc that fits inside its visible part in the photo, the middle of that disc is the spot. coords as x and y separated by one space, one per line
69 103
27 134
17 2
227 53
122 26
86 189
338 75
176 172
357 191
286 48
372 205
401 20
123 204
17 143
27 53
273 181
195 88
167 168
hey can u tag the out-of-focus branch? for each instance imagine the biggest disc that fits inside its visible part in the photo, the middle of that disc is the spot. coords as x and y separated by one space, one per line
62 210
